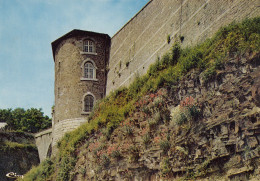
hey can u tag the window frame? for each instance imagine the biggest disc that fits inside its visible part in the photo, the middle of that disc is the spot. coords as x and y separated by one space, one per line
89 43
84 110
84 70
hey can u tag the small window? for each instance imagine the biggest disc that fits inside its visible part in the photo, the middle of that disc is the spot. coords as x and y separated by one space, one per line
89 70
88 46
88 103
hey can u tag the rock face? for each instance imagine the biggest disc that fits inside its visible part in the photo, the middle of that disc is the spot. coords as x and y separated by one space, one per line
17 153
213 132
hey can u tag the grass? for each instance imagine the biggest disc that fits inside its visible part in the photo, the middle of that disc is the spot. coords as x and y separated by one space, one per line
207 57
8 145
40 173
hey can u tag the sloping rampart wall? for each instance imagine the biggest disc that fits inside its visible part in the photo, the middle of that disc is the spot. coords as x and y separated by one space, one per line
144 37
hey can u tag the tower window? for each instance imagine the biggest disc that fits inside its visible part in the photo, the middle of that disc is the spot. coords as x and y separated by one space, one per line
88 103
88 46
89 70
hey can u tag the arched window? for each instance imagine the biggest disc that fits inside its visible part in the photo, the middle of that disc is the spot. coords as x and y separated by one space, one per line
88 103
89 70
88 46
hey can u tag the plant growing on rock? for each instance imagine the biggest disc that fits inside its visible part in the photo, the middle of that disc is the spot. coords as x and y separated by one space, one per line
165 167
134 154
146 139
128 130
186 111
165 145
105 161
116 154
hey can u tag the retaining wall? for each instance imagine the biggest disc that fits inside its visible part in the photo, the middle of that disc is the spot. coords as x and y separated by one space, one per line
144 37
62 127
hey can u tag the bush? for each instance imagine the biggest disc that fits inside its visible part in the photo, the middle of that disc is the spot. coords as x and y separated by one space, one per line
165 167
41 173
128 130
182 119
105 161
146 139
165 146
134 154
116 154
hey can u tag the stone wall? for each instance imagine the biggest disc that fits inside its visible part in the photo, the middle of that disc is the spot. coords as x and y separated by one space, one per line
219 142
43 142
69 59
62 127
144 37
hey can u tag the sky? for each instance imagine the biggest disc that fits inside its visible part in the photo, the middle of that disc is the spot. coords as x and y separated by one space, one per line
27 28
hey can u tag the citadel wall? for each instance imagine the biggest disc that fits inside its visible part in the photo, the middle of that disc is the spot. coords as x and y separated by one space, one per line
144 37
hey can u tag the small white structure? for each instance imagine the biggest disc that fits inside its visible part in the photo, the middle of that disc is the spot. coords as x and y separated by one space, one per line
2 125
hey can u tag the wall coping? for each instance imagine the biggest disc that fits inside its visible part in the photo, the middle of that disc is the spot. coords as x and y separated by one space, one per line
44 132
132 18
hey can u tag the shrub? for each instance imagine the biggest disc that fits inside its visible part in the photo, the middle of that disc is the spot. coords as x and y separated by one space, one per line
165 167
42 172
155 120
134 154
82 171
176 52
181 119
105 161
165 146
193 112
116 154
128 130
146 139
168 39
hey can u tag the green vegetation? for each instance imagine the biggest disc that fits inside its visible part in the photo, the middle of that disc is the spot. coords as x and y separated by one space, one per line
165 167
8 145
207 57
168 39
40 173
30 120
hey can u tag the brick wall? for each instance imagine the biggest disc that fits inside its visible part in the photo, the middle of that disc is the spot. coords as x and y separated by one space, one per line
144 37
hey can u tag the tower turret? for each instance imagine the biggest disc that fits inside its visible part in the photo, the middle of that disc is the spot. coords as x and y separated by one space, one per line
80 58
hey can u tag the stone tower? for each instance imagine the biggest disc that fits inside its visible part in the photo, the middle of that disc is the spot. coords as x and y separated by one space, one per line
81 58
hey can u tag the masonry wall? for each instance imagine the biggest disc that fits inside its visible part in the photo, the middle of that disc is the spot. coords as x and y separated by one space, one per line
43 141
144 37
70 89
59 129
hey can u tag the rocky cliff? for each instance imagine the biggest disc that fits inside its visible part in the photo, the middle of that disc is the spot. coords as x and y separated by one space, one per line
218 139
18 153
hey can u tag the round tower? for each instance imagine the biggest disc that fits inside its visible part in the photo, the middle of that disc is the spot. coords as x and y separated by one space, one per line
80 60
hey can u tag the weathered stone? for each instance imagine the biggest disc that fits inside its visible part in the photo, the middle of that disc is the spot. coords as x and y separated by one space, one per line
224 130
252 142
256 89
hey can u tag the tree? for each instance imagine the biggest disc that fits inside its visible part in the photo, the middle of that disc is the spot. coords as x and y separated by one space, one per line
30 120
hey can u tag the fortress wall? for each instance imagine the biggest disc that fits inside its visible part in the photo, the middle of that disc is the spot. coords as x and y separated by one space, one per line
43 141
59 129
144 37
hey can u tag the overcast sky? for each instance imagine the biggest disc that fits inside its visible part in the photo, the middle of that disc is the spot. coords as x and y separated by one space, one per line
27 28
